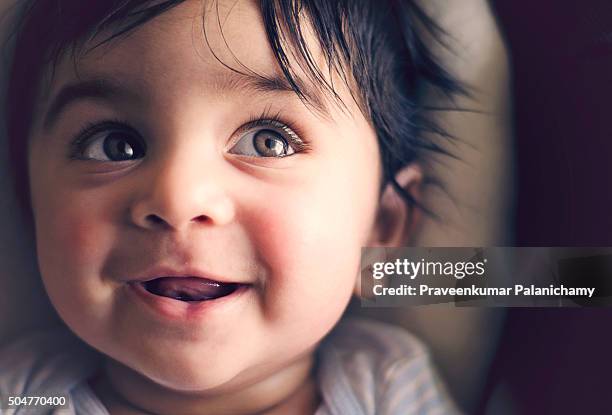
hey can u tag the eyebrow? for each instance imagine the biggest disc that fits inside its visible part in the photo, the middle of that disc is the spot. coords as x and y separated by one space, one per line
109 89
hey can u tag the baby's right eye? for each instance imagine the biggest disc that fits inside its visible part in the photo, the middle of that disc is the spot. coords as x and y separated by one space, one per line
105 142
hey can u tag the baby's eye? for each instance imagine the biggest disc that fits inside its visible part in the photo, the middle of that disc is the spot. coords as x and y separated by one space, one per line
110 144
268 142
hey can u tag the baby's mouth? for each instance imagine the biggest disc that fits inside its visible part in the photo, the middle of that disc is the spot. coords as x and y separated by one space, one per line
189 289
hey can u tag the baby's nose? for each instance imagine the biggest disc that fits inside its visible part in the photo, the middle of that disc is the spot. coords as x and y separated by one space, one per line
178 194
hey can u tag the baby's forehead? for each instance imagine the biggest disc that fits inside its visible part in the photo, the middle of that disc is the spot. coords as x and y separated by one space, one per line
220 46
176 37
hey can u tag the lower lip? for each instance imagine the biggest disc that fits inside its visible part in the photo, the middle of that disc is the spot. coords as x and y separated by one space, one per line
182 310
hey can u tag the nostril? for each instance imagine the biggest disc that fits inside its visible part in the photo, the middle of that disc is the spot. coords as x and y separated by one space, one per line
156 220
201 218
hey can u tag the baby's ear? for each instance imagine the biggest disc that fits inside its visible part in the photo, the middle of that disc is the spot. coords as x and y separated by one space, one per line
396 219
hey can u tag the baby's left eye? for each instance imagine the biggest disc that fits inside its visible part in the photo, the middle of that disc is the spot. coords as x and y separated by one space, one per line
267 142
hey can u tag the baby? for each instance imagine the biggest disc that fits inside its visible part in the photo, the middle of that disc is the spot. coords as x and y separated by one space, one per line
201 177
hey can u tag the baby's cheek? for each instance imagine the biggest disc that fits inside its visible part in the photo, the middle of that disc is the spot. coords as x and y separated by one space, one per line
71 246
311 248
68 240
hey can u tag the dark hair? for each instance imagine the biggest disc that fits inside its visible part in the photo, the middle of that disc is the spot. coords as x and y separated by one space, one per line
375 43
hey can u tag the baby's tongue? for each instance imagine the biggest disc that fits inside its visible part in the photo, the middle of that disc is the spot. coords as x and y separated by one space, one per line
188 288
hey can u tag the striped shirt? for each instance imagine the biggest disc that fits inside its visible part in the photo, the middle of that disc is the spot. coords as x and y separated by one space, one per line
363 368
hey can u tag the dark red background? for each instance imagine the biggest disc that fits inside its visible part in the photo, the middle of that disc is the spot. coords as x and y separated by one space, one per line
559 361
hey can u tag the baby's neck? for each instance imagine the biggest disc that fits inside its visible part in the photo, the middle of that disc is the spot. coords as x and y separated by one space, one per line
290 391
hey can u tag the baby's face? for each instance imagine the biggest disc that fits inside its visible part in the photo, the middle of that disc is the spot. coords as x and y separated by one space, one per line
174 178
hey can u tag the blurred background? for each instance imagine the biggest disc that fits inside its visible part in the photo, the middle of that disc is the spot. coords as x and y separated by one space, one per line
558 360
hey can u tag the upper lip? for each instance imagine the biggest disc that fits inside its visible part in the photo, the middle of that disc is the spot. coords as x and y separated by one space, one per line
177 272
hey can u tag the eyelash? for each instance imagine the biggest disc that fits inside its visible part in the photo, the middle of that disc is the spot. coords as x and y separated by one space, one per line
274 120
92 128
265 119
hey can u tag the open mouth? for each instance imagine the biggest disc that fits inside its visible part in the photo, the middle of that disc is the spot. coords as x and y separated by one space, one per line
189 289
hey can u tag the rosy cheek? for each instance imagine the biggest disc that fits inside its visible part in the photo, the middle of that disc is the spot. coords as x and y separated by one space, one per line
83 239
69 236
308 241
72 245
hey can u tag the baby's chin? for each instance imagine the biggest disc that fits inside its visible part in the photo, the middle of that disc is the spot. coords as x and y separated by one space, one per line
209 371
204 373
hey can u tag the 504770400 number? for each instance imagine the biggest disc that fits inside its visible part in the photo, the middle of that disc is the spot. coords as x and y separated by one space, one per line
20 401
